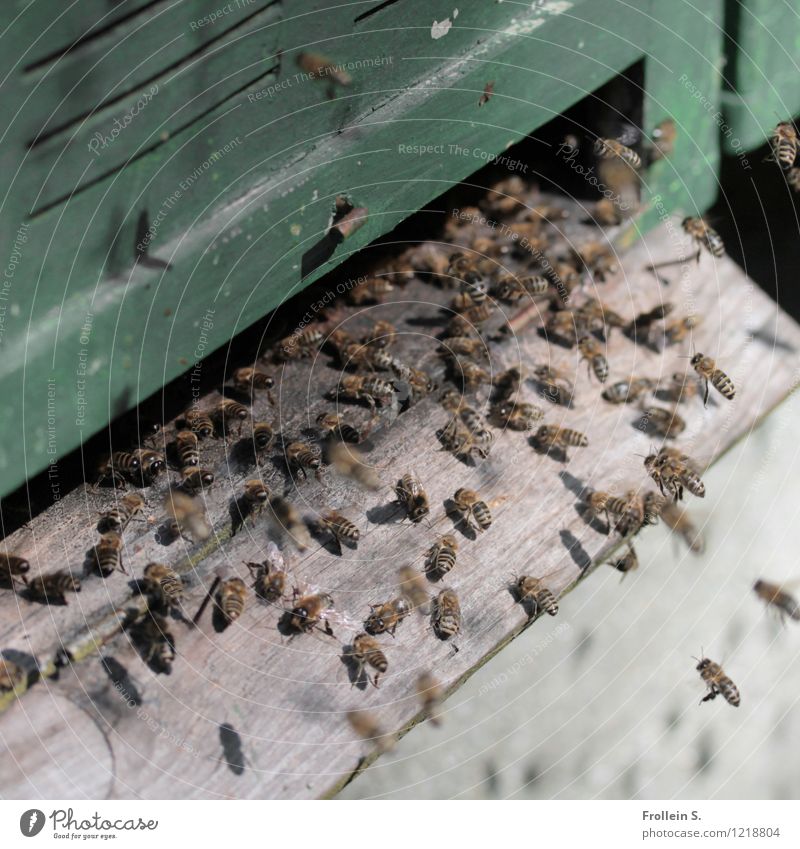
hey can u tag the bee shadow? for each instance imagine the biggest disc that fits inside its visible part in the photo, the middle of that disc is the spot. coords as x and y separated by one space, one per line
576 551
232 749
219 621
591 519
642 339
553 339
240 511
165 535
356 672
390 513
27 662
459 521
326 539
577 487
121 680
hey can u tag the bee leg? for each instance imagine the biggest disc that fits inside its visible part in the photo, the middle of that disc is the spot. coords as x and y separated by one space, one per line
705 394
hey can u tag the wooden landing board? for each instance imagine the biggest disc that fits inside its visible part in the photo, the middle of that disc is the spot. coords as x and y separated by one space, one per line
77 733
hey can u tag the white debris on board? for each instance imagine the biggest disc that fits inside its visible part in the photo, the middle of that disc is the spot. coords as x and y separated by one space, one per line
441 28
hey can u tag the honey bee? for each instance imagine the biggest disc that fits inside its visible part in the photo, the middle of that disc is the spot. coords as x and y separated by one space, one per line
784 144
678 330
517 415
348 461
431 697
151 464
705 236
384 618
231 598
446 615
249 378
441 557
186 515
470 375
341 528
608 148
665 423
270 581
287 518
464 346
334 425
299 345
793 179
255 496
371 291
653 505
368 728
708 371
777 597
597 258
411 494
366 651
508 382
590 350
558 388
627 510
673 471
118 518
627 391
679 521
477 314
680 387
413 587
197 421
300 456
464 268
563 325
356 387
155 641
511 288
596 316
382 334
457 439
12 568
107 554
480 439
309 611
717 682
229 413
664 137
195 480
475 511
164 583
533 595
263 436
52 588
627 563
120 467
186 448
12 676
553 436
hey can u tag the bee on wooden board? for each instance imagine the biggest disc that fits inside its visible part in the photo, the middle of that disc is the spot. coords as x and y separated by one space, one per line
591 351
464 346
186 515
475 511
533 595
12 569
681 387
384 618
558 387
666 423
597 258
356 387
517 415
197 421
53 587
12 675
784 144
705 236
195 479
155 641
366 651
300 457
164 583
456 438
269 581
609 148
287 519
553 436
596 316
373 290
564 326
299 345
464 268
708 371
120 467
382 334
334 425
441 557
227 414
717 682
628 391
107 554
508 382
248 378
231 598
431 696
776 597
309 611
413 588
446 615
366 725
349 462
468 374
256 494
119 517
341 528
263 436
186 447
411 494
480 438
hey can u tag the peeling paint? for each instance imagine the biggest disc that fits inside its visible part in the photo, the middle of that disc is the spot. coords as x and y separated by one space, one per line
438 30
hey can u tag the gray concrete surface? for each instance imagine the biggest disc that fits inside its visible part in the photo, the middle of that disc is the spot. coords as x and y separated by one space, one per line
602 701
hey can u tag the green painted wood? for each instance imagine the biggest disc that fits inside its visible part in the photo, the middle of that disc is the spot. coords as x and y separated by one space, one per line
762 50
238 196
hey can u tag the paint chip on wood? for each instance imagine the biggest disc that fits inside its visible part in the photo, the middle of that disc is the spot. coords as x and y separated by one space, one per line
439 29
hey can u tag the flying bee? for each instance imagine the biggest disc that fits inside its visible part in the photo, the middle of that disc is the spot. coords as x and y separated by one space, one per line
299 345
186 448
679 522
464 346
120 467
777 597
556 383
717 682
366 651
705 236
270 581
431 697
421 384
673 471
653 505
249 379
517 415
107 554
263 436
231 598
12 675
53 587
627 563
194 479
308 611
446 616
341 528
334 425
535 597
349 462
366 725
300 457
197 421
164 583
228 413
784 144
664 136
384 618
411 494
475 511
357 387
12 568
627 391
287 519
413 587
441 557
708 371
186 515
590 350
608 148
666 423
373 290
553 436
119 517
678 330
155 642
255 496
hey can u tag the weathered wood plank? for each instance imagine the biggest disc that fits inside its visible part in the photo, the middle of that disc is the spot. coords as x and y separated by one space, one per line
287 698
